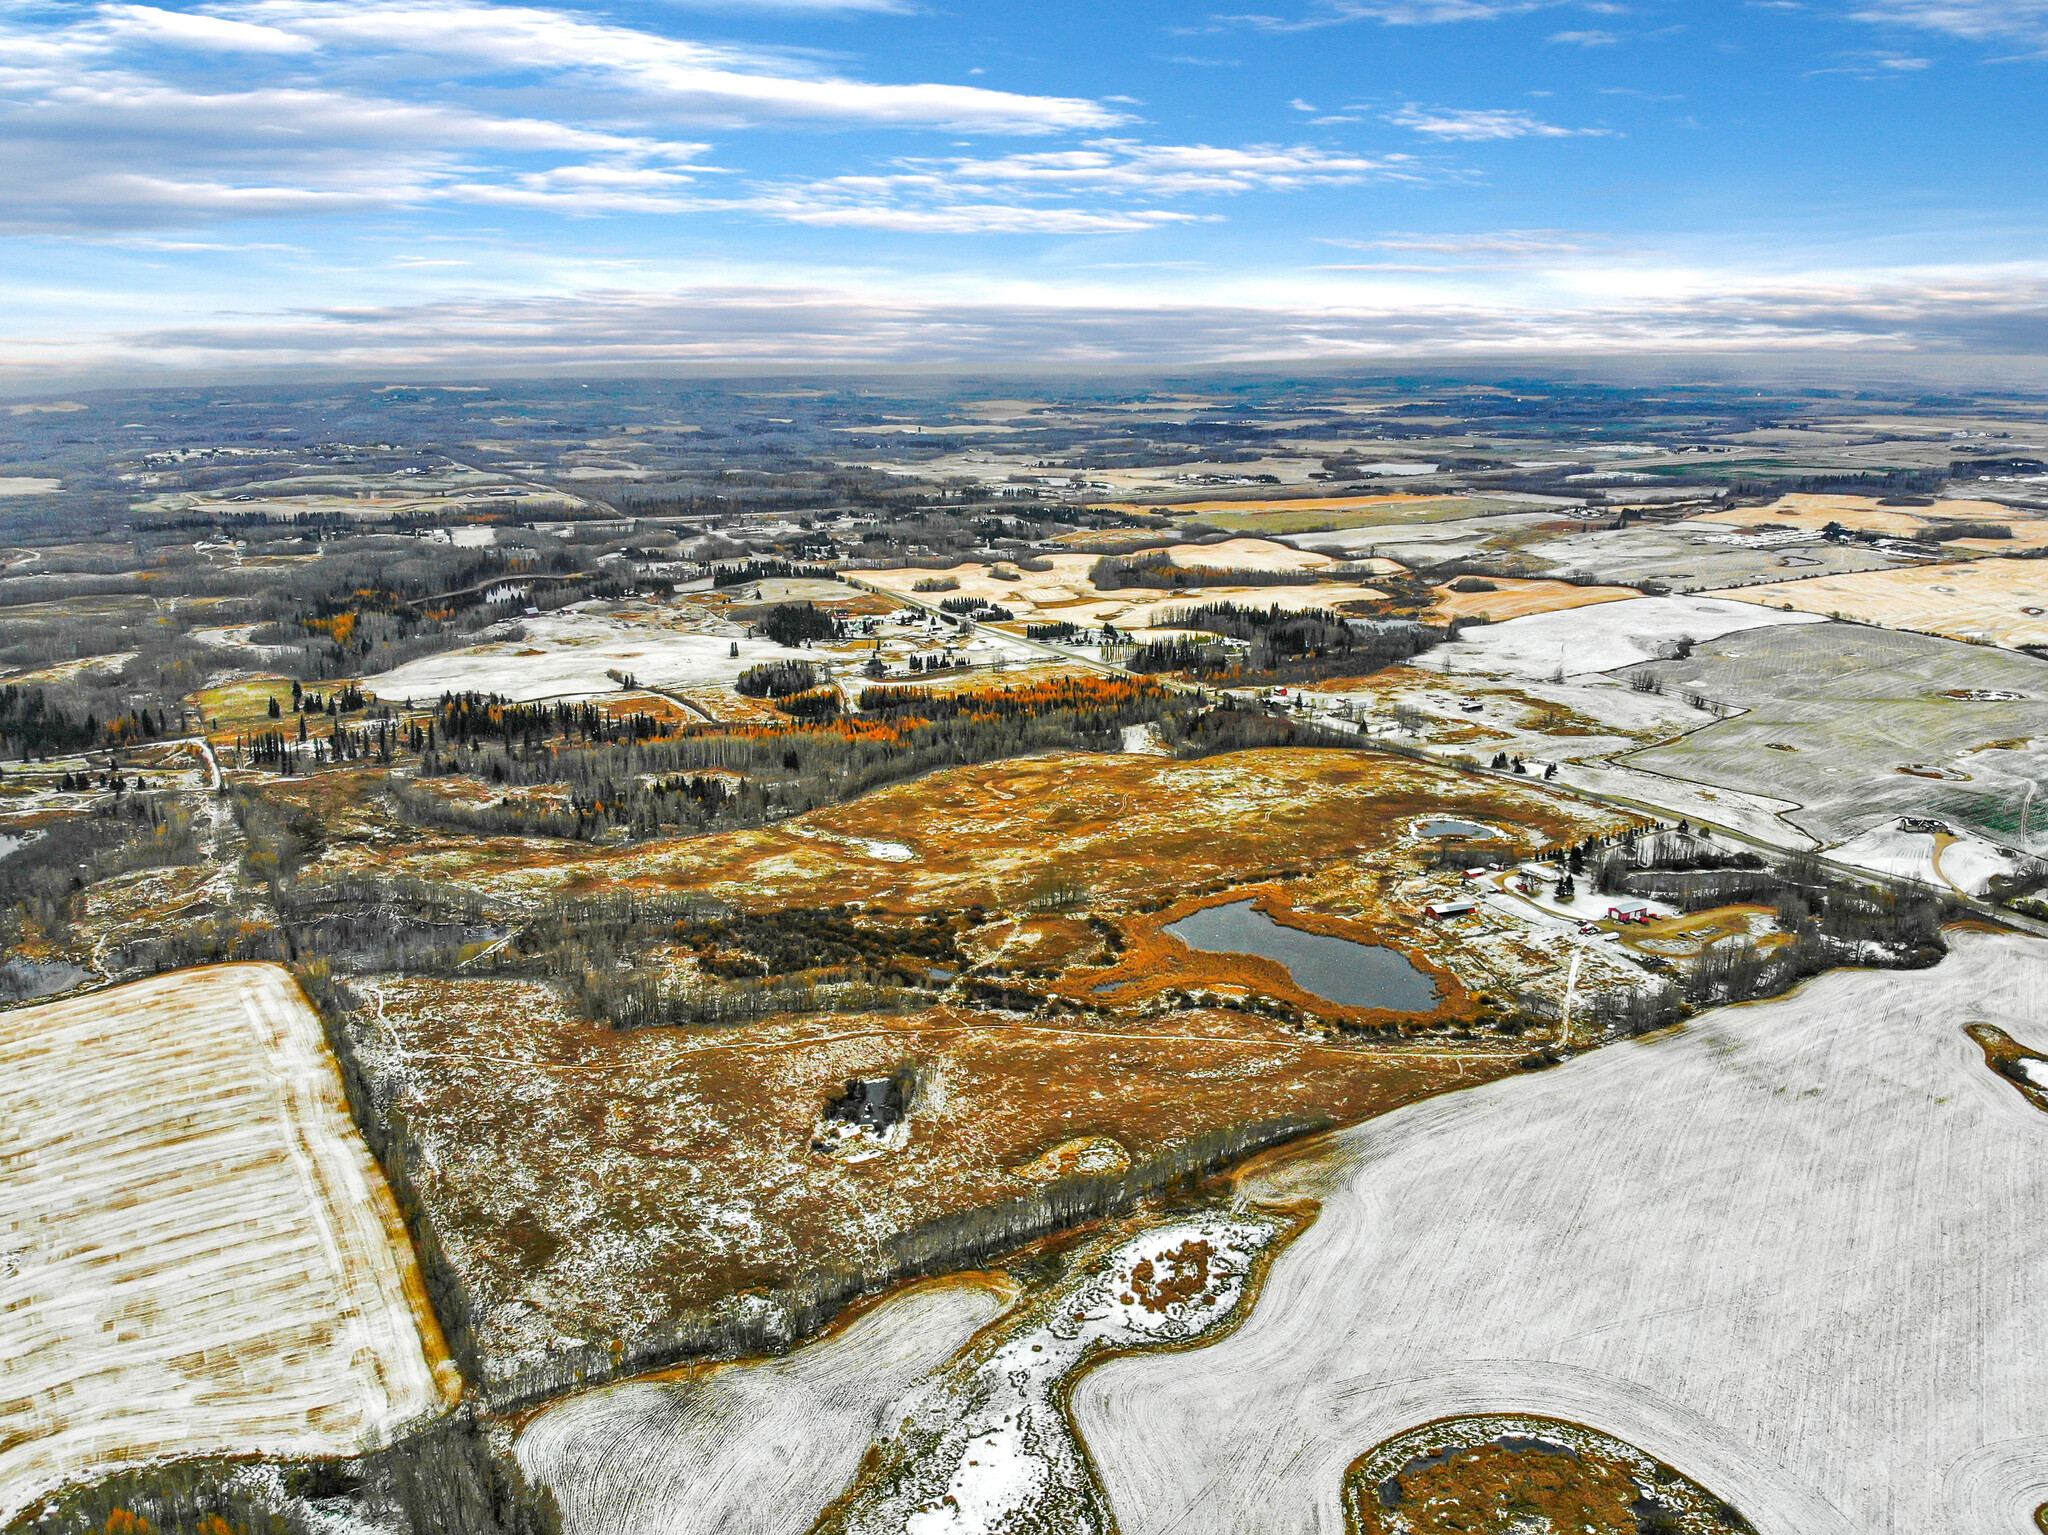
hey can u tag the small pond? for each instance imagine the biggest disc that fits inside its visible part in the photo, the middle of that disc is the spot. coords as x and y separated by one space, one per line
1448 828
1335 969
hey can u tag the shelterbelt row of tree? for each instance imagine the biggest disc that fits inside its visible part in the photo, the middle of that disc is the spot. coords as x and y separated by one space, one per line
717 777
1280 645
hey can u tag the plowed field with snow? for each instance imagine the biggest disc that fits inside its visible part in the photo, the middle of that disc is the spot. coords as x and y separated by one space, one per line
1795 1251
198 1254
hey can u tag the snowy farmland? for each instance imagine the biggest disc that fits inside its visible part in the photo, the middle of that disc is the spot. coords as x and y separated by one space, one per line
1993 602
1598 639
983 1445
1933 858
1787 1250
1857 726
199 1255
568 655
760 1446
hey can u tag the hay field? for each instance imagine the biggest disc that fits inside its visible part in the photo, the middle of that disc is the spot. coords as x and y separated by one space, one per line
762 1445
1993 602
1602 638
200 1257
1519 599
1856 726
1787 1250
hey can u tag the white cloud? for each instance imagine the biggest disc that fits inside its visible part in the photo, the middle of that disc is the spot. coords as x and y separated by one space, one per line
892 7
2023 21
1875 64
1506 242
967 218
108 151
1034 193
682 79
1472 126
1128 167
204 34
1393 13
1421 13
1927 314
128 116
1589 39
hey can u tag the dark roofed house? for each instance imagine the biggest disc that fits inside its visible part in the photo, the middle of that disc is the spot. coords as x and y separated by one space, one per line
870 1103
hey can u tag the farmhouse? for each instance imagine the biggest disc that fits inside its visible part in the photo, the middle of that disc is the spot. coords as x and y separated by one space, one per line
873 1104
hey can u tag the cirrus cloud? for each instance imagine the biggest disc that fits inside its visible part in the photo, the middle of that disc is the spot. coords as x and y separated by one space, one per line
1474 126
2024 21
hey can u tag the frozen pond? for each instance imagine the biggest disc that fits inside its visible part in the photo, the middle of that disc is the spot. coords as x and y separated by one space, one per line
1335 969
1448 828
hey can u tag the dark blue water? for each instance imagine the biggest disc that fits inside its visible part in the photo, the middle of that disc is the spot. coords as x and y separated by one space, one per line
1335 969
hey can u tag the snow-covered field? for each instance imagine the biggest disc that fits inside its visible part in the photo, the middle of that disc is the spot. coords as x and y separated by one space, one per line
1792 1251
566 655
1598 639
983 1446
759 1447
198 1255
1963 863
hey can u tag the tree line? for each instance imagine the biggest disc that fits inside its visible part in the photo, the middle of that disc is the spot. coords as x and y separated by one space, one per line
1276 644
1113 572
655 787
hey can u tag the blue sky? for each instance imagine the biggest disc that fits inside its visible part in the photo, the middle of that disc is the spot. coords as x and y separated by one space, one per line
460 183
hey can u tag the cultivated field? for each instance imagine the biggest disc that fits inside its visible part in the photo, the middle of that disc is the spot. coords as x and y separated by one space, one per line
1418 541
200 1257
1866 515
1520 599
1785 1251
1693 556
1599 639
1333 513
1993 602
759 1446
1857 726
